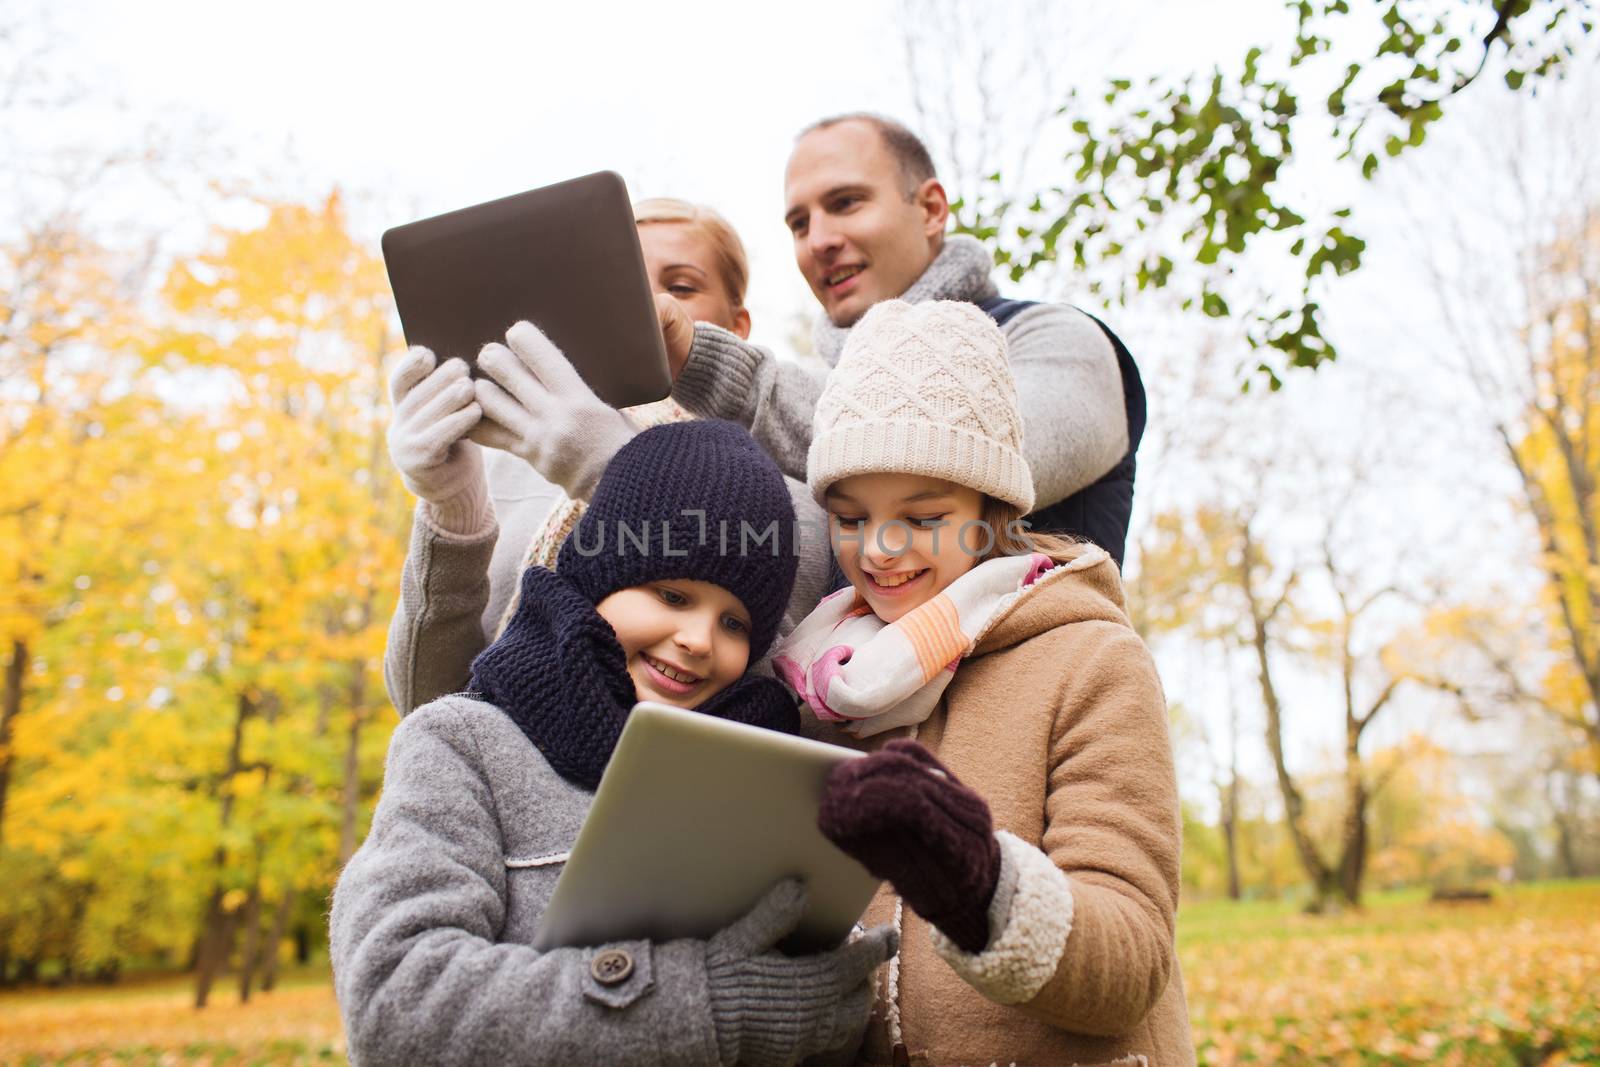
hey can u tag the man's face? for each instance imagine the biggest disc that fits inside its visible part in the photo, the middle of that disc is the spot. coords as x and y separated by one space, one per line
858 239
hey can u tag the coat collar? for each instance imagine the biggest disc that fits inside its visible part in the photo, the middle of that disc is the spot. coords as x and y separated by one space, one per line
1087 587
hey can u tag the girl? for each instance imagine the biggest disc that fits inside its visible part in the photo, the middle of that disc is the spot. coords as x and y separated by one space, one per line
1021 801
484 792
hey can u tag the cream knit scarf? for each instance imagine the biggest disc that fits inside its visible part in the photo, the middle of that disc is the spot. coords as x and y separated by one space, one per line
852 668
959 272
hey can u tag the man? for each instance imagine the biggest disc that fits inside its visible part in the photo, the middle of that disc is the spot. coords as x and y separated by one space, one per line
868 217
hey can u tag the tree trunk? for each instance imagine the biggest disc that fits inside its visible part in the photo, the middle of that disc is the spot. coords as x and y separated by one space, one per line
216 945
351 800
10 707
216 942
1353 846
269 950
1230 836
1321 877
1565 845
251 920
1323 883
1230 804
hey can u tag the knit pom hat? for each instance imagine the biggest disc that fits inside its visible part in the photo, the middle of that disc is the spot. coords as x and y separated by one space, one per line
922 389
691 500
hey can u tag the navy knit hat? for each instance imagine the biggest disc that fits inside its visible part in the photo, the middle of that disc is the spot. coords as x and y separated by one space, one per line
693 500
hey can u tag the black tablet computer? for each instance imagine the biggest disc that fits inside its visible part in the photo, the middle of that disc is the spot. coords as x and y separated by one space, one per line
565 257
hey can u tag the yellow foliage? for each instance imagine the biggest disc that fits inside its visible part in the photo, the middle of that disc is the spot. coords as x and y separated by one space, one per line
1558 456
1404 982
200 539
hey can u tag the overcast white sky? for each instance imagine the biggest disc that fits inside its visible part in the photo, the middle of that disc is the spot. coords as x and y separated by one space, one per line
431 107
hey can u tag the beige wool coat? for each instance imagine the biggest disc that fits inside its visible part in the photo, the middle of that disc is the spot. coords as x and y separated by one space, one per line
1058 721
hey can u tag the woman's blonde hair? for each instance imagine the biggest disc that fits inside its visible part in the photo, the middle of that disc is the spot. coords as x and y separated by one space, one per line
1012 538
732 264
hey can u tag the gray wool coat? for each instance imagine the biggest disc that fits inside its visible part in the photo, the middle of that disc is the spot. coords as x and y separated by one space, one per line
434 916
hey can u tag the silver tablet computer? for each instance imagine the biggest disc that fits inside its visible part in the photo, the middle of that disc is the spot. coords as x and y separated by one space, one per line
695 819
565 257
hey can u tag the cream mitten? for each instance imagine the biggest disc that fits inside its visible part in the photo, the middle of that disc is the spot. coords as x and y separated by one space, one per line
536 406
434 408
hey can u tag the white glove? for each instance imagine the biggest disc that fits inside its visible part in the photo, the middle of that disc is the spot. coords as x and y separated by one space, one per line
537 407
434 407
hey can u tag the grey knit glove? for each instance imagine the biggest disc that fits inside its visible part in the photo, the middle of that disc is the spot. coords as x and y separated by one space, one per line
434 407
536 406
772 1009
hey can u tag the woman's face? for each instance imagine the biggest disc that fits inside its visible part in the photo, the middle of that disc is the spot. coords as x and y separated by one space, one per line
685 641
683 264
903 538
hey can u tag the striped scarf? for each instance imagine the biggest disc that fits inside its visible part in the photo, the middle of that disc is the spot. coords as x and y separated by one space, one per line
852 668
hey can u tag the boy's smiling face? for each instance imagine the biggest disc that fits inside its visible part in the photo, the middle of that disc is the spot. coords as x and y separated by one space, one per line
902 538
685 641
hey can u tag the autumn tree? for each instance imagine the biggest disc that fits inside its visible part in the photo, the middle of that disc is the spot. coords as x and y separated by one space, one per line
88 455
1425 831
1176 181
290 321
1180 558
1518 295
1223 575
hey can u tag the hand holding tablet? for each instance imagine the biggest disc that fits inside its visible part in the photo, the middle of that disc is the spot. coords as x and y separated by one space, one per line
535 405
695 821
565 257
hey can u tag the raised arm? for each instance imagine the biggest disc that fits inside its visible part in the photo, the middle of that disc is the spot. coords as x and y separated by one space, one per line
436 628
1074 423
726 377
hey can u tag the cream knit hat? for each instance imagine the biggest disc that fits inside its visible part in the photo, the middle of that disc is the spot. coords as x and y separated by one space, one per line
922 389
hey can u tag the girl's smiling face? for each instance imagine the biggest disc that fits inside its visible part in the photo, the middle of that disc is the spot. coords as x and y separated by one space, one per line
685 641
902 538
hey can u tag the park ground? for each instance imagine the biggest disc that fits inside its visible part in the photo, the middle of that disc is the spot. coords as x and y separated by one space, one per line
1511 982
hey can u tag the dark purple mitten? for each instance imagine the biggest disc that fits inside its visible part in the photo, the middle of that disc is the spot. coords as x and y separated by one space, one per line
909 821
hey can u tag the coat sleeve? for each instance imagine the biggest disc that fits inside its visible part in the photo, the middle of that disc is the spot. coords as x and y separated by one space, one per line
1082 928
418 970
1069 389
437 626
726 377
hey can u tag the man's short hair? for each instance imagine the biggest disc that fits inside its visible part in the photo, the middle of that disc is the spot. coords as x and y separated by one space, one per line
910 154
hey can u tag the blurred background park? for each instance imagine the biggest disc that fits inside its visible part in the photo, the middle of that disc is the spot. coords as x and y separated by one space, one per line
1355 248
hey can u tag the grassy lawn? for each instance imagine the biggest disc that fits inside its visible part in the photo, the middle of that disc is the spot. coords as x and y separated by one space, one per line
1515 981
150 1022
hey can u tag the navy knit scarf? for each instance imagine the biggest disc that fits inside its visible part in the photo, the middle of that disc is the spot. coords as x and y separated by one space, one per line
561 676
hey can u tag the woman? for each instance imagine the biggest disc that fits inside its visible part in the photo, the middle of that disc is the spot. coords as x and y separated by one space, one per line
484 514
